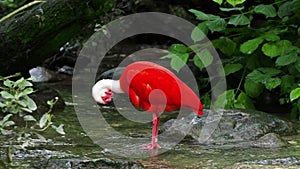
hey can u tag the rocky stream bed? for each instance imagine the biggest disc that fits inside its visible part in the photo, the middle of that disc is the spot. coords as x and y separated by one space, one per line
241 139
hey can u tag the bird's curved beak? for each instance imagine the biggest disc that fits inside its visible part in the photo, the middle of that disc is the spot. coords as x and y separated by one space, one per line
108 97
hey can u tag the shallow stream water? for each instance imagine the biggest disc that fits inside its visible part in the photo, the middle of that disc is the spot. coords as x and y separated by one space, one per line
186 154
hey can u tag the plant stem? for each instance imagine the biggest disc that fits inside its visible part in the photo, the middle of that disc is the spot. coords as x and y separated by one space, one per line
20 9
240 83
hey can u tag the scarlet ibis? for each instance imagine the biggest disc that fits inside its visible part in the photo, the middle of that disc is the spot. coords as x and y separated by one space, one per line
152 88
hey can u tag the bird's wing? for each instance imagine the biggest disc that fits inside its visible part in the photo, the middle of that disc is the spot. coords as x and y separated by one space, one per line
134 98
145 82
141 78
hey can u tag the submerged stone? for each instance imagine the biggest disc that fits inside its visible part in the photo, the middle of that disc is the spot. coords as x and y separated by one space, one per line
289 161
85 164
270 140
42 74
227 126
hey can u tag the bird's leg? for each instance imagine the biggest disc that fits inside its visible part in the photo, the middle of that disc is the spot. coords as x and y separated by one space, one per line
155 125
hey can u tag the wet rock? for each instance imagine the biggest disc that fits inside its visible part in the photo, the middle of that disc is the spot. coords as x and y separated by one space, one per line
84 164
270 140
33 154
280 161
257 166
66 70
41 74
234 126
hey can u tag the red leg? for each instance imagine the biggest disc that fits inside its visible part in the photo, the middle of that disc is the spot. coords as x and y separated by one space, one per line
155 125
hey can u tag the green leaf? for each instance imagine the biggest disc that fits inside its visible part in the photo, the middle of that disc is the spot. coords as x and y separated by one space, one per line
269 71
8 83
228 102
23 83
43 120
200 15
42 138
267 10
295 6
217 25
179 61
178 49
10 76
263 75
203 59
8 123
295 94
199 32
295 110
229 99
22 103
231 9
203 27
19 81
250 46
286 59
271 36
203 16
50 102
26 83
2 105
244 102
284 9
6 95
26 109
226 45
197 61
272 83
59 129
271 49
235 2
232 68
218 1
29 118
27 91
239 19
168 56
252 88
285 45
30 103
6 118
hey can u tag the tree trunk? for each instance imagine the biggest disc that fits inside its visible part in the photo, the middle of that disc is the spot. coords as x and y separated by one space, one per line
30 37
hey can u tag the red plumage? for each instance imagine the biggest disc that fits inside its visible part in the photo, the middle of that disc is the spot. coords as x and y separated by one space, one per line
150 87
139 79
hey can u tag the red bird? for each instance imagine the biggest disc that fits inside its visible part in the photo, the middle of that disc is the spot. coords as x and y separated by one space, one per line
152 88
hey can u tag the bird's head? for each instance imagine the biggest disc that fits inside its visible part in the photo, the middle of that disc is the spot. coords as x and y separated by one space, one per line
102 93
104 96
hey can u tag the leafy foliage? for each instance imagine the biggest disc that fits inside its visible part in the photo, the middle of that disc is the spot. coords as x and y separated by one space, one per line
259 44
17 108
15 95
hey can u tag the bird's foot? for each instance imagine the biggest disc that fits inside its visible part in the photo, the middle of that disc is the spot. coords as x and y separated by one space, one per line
150 146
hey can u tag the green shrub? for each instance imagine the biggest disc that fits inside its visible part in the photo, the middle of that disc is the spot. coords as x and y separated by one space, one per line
259 45
16 113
